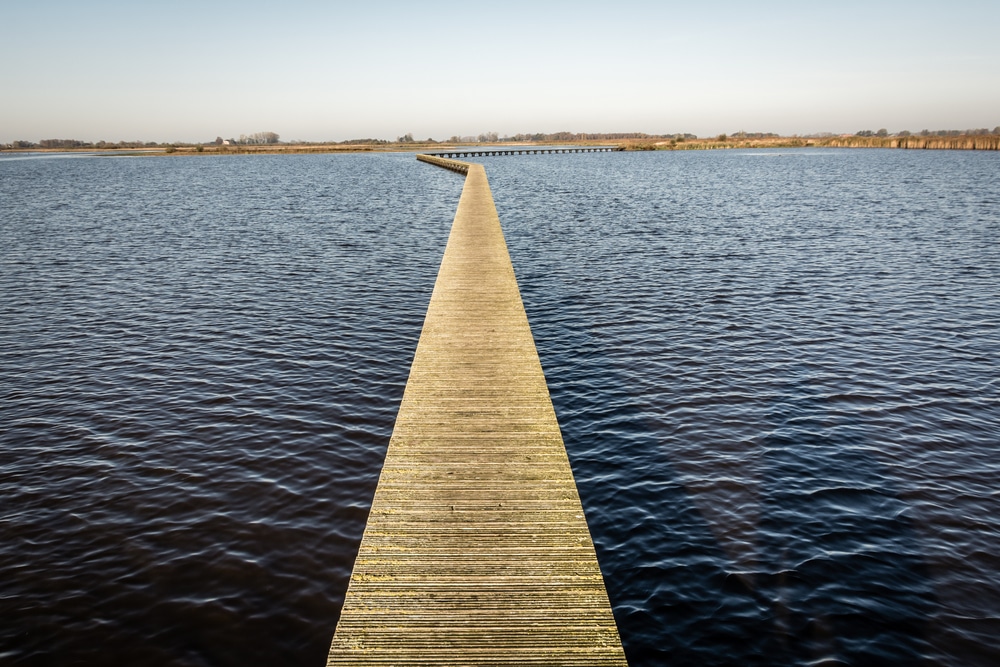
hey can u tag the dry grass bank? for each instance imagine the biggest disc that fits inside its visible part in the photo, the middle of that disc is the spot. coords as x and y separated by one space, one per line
990 142
981 142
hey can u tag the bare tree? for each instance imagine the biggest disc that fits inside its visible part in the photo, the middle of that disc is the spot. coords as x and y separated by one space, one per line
259 138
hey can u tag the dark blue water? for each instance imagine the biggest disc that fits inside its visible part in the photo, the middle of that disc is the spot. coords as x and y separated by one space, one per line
777 374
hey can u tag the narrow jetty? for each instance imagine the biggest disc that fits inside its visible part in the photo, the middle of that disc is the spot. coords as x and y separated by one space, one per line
524 150
476 551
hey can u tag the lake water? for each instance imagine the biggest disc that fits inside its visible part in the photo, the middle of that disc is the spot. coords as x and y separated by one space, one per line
777 375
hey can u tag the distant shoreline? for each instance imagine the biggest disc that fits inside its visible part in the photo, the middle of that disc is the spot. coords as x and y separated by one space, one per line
933 142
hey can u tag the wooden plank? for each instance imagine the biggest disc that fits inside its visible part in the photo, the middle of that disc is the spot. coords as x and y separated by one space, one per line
476 551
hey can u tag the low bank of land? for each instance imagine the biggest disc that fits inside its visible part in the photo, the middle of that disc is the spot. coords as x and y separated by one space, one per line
953 142
958 142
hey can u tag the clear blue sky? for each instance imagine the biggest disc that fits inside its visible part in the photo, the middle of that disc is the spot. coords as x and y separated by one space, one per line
189 71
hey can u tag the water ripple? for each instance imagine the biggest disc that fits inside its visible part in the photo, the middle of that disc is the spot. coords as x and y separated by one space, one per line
202 363
776 378
776 381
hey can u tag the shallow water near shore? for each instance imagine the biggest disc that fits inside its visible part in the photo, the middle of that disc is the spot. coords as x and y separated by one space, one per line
776 373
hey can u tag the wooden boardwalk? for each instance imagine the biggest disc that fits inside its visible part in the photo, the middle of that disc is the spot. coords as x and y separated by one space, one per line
521 150
476 550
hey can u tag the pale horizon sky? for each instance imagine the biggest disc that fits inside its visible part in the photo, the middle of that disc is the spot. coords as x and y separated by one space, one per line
316 71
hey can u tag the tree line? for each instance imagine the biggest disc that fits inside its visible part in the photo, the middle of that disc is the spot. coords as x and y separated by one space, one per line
76 143
271 138
494 137
257 138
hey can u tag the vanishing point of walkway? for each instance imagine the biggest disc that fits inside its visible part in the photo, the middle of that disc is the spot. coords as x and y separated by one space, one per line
476 550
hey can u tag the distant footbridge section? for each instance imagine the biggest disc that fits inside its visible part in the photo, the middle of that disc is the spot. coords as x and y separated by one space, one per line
524 150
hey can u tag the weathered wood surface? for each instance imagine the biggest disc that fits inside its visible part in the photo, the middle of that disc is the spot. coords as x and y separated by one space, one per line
453 165
476 551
